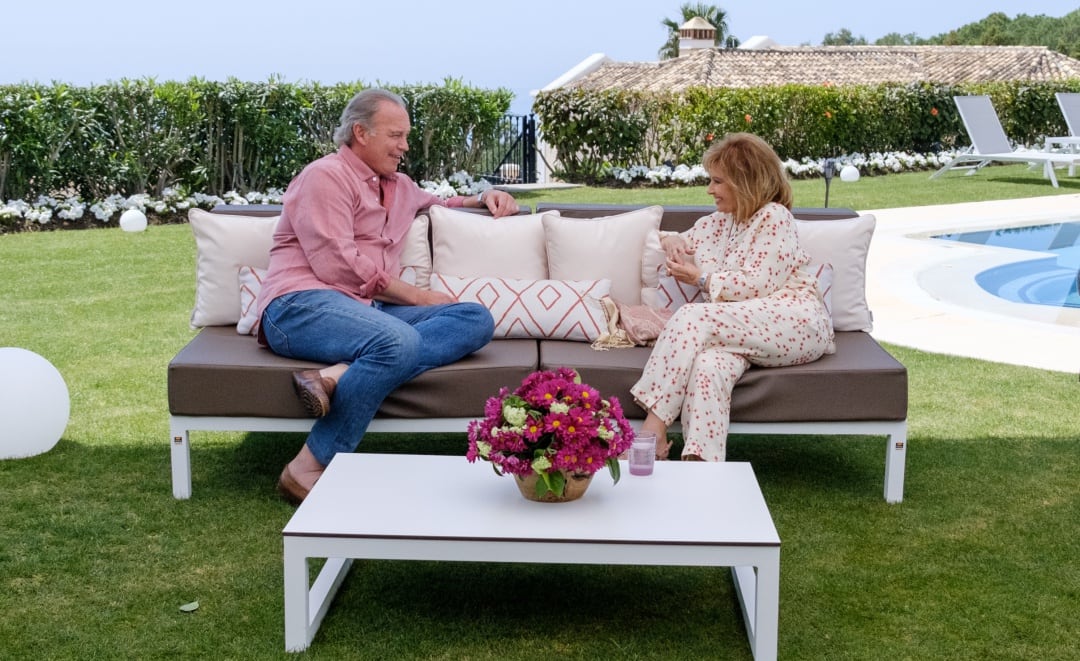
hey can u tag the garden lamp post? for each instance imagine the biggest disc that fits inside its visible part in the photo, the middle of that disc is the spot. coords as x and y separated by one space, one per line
827 169
848 173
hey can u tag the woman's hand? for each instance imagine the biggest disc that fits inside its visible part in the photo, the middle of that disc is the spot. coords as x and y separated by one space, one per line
677 249
687 272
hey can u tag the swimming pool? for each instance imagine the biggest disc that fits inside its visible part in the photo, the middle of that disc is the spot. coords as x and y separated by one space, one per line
1052 281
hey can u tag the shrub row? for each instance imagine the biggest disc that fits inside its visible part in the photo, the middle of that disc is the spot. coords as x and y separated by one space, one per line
594 131
141 136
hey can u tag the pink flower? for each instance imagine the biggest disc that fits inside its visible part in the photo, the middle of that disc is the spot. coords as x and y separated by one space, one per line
551 422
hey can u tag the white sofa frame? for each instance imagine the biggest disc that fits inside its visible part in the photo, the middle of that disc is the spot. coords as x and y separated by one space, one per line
181 426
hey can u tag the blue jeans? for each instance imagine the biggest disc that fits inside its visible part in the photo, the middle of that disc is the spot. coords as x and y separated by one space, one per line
385 345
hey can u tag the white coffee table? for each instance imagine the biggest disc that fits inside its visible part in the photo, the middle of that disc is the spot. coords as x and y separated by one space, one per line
420 507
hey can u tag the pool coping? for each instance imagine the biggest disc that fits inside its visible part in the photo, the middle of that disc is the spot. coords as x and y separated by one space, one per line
923 293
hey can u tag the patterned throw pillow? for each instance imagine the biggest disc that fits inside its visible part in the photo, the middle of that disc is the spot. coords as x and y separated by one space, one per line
824 275
671 294
554 309
250 279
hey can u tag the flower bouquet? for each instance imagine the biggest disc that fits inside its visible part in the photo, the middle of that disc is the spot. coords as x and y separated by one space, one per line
554 428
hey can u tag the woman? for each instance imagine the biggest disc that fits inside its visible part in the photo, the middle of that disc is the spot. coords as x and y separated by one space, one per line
762 303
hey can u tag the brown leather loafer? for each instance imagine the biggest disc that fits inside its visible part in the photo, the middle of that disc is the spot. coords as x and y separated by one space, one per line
315 391
291 490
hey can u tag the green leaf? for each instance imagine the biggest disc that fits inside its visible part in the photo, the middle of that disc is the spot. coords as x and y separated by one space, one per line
189 608
613 466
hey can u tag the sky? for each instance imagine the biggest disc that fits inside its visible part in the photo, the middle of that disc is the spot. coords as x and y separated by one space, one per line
487 44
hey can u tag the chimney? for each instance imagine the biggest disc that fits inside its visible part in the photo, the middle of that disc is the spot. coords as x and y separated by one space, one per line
696 34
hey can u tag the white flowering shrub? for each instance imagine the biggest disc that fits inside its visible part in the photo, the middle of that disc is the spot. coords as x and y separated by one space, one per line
176 201
459 183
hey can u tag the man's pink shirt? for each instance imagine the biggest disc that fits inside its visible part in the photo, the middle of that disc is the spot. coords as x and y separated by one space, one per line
334 233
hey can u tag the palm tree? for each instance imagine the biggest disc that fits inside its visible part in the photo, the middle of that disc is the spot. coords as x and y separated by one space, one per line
716 16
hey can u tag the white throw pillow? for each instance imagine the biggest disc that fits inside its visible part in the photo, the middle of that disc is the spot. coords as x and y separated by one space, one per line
609 247
555 309
416 255
470 245
250 279
224 243
844 244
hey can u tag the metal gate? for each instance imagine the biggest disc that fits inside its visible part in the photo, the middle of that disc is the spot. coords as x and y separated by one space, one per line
511 158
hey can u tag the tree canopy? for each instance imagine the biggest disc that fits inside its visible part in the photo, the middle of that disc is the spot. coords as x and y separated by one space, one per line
997 29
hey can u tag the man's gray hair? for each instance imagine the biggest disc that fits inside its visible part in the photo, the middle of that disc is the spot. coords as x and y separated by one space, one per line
361 110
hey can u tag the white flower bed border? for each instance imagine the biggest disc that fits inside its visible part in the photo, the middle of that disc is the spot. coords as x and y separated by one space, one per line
45 208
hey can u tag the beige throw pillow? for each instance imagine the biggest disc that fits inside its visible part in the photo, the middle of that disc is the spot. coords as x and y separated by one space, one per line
416 255
224 243
472 245
609 247
843 244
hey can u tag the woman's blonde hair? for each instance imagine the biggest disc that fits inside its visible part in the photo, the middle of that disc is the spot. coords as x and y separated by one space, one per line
752 171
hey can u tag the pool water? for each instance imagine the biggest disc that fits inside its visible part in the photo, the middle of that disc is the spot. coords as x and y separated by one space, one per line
1052 281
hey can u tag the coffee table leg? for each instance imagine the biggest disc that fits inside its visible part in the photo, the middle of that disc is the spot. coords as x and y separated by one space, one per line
305 608
759 596
297 634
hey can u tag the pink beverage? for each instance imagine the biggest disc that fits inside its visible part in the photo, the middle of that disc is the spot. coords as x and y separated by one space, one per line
643 453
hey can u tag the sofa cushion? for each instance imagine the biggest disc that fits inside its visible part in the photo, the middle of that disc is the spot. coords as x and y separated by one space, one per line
469 245
224 243
843 243
561 309
611 247
860 371
223 373
416 253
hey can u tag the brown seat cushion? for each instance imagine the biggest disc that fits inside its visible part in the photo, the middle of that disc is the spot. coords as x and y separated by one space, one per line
223 373
861 381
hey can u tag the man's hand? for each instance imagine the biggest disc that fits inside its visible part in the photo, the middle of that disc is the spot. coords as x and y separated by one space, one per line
500 203
402 293
428 297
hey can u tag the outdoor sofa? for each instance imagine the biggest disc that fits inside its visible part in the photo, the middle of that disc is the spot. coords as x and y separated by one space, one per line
541 273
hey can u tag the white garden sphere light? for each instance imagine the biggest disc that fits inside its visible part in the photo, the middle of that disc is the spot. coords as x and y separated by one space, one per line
849 173
133 220
34 404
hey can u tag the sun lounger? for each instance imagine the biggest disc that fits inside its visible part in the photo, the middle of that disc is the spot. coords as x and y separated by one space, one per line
1070 144
989 143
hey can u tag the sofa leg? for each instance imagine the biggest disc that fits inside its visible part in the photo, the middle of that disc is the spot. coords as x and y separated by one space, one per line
181 462
895 459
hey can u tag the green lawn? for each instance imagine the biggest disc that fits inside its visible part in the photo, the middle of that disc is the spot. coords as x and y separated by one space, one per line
96 557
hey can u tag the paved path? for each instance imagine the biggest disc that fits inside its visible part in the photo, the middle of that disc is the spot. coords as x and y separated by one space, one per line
923 292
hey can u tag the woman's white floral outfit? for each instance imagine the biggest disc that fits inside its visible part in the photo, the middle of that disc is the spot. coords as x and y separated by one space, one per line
762 308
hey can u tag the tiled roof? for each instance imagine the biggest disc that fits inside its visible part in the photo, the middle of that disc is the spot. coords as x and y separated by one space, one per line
839 65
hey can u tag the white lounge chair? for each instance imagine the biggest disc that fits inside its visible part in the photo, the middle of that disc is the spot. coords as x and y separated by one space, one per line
1070 144
989 142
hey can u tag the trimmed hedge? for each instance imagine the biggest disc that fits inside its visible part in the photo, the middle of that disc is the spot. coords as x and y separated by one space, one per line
594 131
141 136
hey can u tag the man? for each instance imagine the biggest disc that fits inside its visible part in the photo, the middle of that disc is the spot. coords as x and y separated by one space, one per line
332 292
